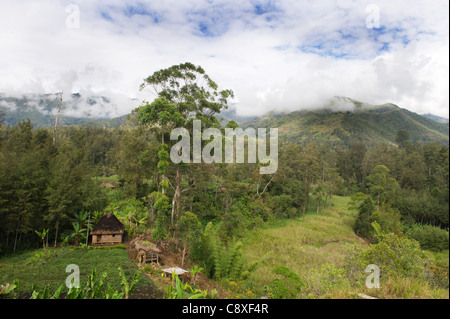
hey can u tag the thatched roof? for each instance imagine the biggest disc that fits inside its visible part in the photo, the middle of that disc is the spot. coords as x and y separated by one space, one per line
108 224
146 246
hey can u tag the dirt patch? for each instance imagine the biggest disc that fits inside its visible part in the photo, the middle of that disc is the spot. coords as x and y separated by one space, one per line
146 292
171 255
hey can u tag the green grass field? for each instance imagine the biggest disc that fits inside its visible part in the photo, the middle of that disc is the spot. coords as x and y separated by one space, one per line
315 247
302 244
30 270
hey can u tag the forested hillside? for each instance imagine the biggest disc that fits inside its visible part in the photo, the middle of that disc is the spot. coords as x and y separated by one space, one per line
357 122
397 185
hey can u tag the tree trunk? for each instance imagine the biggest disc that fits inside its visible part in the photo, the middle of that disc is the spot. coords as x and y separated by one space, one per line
163 191
184 254
87 228
15 239
56 235
176 195
266 186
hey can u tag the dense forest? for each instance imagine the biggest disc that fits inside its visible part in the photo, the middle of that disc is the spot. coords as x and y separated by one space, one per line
47 186
65 184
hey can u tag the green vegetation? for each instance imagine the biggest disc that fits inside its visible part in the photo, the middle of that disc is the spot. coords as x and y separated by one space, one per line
430 237
365 124
301 259
95 288
302 245
354 188
44 274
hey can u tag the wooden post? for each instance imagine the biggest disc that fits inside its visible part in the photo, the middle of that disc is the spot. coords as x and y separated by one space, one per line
87 228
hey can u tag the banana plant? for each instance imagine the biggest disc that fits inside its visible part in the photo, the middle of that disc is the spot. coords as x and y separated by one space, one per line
181 290
42 235
194 271
128 287
46 293
78 232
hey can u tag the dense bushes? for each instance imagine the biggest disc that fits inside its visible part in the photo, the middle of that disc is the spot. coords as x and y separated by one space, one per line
363 222
395 256
405 269
287 286
430 237
219 259
422 208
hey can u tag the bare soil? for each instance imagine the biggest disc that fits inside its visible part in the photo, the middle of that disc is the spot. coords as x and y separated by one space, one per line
171 256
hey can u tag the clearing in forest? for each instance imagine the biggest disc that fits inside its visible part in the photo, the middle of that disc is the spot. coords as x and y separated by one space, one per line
303 243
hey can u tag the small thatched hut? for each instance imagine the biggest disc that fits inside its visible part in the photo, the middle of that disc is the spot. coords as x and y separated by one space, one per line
108 230
147 252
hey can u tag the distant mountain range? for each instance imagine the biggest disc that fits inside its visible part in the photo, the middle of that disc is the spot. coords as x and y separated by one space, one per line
436 118
342 121
42 108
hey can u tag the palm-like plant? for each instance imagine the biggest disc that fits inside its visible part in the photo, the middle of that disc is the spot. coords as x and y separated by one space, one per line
42 235
78 233
83 219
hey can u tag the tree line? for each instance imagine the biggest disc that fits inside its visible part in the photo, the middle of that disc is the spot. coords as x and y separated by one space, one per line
49 185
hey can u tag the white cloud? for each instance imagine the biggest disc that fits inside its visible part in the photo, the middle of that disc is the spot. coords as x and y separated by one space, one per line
283 55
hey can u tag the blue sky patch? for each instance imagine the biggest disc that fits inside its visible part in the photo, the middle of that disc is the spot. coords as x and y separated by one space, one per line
130 11
105 15
263 8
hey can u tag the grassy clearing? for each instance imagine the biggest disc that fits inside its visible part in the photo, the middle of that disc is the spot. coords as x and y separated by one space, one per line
30 270
302 244
315 247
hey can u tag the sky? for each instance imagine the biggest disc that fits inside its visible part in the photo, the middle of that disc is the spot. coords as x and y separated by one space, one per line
281 55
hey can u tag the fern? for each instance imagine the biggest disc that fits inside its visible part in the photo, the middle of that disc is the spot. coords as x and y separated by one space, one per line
219 260
217 256
235 261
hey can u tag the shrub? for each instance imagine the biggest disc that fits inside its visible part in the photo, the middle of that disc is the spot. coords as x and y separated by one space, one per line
179 290
220 261
389 219
430 237
162 208
363 222
287 287
283 206
438 270
8 291
237 291
320 283
395 255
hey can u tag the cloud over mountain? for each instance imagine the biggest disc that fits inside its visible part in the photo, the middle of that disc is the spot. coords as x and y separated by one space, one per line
285 55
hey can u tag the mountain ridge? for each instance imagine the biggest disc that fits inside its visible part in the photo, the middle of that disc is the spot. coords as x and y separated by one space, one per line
341 121
362 123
